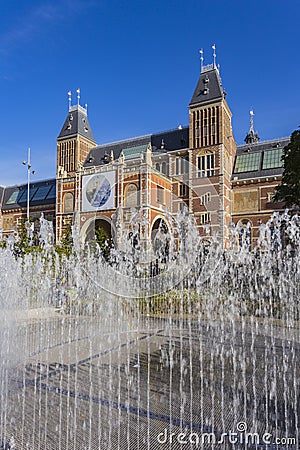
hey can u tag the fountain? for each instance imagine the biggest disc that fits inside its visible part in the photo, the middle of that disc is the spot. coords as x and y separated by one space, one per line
203 352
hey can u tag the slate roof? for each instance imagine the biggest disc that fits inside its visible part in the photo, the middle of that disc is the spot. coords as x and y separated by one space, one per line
165 141
77 123
209 87
259 151
1 194
41 193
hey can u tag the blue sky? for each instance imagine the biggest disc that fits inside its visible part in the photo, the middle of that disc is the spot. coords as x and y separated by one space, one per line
137 64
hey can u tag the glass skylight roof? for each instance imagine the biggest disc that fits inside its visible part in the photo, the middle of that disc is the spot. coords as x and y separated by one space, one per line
14 197
41 193
23 197
272 159
247 162
52 193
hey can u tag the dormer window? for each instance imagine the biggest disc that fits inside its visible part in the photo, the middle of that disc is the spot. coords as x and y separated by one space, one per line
106 158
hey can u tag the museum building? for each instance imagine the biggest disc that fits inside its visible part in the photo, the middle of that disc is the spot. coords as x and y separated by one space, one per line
198 168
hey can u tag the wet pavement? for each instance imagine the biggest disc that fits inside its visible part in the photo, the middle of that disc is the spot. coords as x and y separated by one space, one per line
86 383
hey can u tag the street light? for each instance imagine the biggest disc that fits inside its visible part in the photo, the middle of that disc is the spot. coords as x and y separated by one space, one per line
29 172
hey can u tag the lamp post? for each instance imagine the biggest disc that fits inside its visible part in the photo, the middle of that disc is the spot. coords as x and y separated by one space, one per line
29 172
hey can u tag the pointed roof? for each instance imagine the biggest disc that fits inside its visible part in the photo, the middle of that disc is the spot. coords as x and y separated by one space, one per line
209 87
76 123
252 137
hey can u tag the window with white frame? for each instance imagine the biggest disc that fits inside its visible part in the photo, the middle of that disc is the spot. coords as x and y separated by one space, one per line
162 167
206 165
182 190
205 198
205 218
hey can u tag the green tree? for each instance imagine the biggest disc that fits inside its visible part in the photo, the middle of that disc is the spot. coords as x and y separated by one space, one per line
104 241
3 243
25 243
289 189
66 244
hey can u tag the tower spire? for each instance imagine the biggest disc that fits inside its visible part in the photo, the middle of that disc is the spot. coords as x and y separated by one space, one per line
251 120
201 59
70 99
214 55
251 137
78 96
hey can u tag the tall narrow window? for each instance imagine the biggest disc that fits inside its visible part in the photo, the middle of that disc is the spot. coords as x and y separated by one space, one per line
164 168
68 202
182 190
206 165
205 218
177 166
131 195
205 128
160 194
181 165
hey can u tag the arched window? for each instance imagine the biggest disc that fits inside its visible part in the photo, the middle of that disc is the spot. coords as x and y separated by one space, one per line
157 167
131 195
68 202
164 168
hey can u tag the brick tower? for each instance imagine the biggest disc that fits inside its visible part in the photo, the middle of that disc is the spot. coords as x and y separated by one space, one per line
212 150
73 145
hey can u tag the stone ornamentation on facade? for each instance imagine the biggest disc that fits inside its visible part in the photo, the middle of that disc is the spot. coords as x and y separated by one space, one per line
197 167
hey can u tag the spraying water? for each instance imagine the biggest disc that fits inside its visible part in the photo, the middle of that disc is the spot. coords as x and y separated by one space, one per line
183 346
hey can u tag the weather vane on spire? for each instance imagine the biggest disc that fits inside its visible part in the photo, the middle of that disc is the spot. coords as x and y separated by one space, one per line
251 120
252 137
78 96
70 99
214 54
201 58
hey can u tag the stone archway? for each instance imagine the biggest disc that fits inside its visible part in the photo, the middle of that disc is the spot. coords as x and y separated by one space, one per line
160 237
88 230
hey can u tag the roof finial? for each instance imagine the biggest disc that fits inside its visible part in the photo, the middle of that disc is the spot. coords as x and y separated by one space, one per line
214 54
252 137
78 96
201 58
251 120
70 99
86 107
